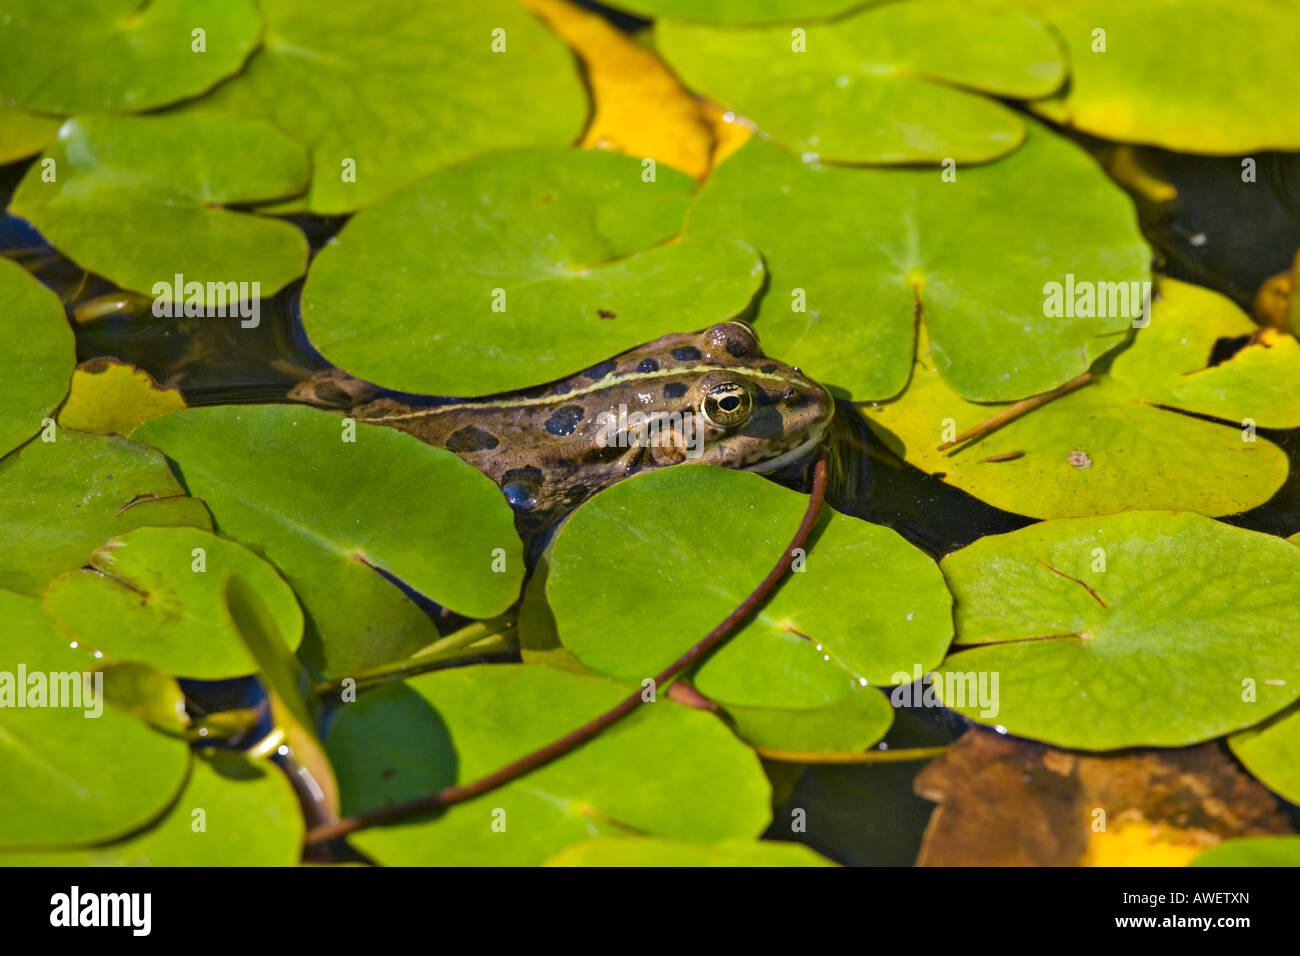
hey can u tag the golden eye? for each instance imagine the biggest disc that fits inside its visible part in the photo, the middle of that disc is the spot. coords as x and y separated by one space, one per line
727 404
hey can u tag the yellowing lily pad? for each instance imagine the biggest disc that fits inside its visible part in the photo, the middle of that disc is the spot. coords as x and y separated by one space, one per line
643 851
1103 632
141 200
81 56
640 107
547 261
38 369
1157 72
894 83
24 134
332 512
155 595
62 499
382 96
110 398
665 770
233 812
852 254
866 606
1120 442
81 771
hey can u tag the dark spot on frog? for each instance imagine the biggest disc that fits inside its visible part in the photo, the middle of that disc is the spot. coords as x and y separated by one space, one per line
768 369
537 391
471 438
648 365
674 390
796 400
687 353
564 388
519 497
607 314
564 420
601 370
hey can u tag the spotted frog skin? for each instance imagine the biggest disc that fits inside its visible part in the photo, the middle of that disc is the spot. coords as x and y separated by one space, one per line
714 398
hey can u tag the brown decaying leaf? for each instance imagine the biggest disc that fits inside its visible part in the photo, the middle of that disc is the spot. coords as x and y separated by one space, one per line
1010 802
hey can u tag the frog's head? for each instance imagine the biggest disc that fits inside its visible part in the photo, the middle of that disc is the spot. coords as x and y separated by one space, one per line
730 404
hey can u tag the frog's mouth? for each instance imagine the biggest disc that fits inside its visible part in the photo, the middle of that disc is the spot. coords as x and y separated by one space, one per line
769 465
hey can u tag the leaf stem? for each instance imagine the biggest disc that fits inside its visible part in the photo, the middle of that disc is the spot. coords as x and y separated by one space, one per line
471 640
1015 410
449 796
866 756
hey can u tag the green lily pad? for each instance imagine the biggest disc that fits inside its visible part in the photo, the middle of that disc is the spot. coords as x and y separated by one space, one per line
1120 442
24 134
664 770
72 775
1271 752
39 372
232 812
383 97
1253 851
60 500
75 56
735 11
865 247
893 83
149 597
331 514
1199 101
155 181
633 851
570 245
798 675
1187 611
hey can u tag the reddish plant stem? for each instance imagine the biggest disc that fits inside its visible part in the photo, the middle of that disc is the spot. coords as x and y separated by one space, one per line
449 796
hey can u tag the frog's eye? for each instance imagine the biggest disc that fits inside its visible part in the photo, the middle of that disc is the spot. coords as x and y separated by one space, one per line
727 404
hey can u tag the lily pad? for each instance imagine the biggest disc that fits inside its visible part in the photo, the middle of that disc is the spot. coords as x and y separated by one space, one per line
735 11
155 595
39 370
24 134
232 812
632 851
110 398
1253 851
1271 752
553 260
1102 631
75 56
665 770
73 774
894 83
1198 101
331 514
861 250
62 499
1120 442
382 97
140 200
867 605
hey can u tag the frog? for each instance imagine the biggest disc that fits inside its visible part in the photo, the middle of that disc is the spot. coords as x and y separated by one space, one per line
709 397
